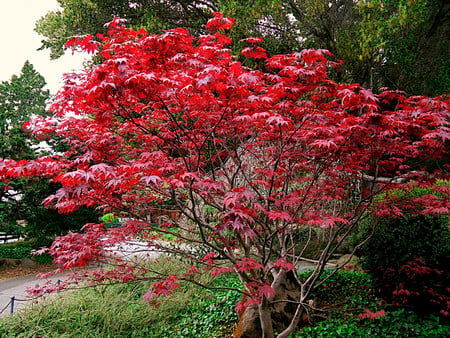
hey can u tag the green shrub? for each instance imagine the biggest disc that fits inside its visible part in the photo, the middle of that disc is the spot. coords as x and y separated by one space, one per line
111 221
344 289
347 295
110 217
399 323
165 236
398 240
409 257
23 249
42 259
17 253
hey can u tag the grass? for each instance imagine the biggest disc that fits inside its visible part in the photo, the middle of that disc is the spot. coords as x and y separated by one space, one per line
118 311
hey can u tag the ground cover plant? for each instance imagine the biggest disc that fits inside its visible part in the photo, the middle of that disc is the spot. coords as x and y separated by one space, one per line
248 158
353 309
397 323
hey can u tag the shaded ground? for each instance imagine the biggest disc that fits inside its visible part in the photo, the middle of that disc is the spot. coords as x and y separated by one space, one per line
8 272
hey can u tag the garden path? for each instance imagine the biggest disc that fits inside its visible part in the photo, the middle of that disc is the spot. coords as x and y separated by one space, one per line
16 287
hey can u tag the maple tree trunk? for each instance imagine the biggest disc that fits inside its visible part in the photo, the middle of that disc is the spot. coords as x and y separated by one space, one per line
270 318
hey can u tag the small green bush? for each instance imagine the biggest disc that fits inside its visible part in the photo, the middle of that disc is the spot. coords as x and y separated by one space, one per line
398 240
344 289
42 259
398 323
111 221
409 257
165 236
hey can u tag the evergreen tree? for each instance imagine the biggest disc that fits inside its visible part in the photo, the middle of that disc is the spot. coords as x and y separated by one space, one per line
21 99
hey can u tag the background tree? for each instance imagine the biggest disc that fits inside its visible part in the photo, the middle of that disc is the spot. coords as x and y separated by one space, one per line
250 159
413 38
80 17
21 99
399 44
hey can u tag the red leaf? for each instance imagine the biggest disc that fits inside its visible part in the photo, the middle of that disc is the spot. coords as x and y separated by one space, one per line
266 291
324 144
248 264
165 288
372 315
218 271
283 264
254 52
279 215
193 270
219 22
252 40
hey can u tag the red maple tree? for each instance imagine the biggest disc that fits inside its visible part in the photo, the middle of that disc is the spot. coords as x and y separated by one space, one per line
250 159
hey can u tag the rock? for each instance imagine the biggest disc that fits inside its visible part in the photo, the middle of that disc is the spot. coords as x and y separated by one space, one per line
9 262
353 264
28 263
304 266
345 248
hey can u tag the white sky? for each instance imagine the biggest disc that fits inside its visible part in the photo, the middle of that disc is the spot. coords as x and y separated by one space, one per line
19 42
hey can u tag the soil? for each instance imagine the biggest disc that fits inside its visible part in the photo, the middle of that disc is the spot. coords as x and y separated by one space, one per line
8 272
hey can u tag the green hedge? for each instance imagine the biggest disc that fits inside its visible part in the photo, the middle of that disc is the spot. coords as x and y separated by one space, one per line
23 249
19 252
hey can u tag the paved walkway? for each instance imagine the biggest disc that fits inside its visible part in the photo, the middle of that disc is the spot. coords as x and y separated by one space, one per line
16 287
